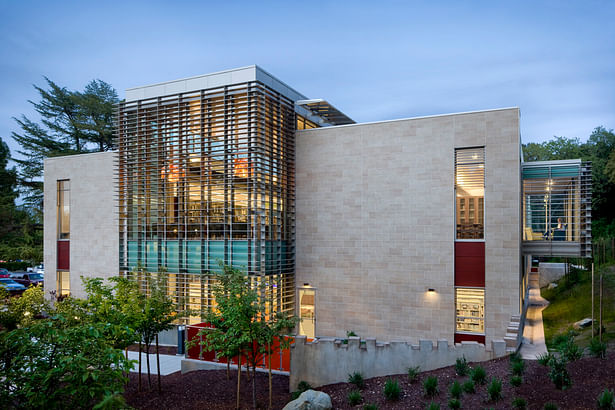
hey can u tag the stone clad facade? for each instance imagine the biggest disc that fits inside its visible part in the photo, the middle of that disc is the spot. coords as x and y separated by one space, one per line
94 244
375 228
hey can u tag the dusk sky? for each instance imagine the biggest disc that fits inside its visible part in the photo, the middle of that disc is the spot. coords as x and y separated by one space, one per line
376 60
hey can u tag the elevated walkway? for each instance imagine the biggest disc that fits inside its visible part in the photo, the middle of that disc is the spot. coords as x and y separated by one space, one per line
533 344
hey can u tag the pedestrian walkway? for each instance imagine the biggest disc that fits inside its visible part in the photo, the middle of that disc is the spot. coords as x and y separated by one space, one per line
533 344
168 363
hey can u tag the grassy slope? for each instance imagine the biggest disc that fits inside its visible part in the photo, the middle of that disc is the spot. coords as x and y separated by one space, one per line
570 302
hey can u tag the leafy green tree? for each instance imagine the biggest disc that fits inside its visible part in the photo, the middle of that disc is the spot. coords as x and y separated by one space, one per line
242 324
59 356
20 234
54 366
72 122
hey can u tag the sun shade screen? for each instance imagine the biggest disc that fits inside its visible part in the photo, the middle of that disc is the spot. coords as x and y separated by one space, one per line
470 192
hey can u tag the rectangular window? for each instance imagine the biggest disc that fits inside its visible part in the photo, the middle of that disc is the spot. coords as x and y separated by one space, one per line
470 189
307 323
470 310
64 209
63 283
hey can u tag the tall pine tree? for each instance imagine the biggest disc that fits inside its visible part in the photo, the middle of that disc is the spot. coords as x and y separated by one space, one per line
71 122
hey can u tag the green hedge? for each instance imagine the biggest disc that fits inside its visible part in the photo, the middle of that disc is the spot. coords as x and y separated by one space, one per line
15 266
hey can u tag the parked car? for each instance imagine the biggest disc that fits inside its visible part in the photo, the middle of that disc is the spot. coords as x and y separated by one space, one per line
12 286
28 279
5 273
36 269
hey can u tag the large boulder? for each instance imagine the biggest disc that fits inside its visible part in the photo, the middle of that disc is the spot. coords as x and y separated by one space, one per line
310 400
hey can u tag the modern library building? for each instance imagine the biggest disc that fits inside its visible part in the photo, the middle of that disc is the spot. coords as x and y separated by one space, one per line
419 228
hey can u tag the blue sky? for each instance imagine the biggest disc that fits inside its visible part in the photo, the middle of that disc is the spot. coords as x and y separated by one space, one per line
376 60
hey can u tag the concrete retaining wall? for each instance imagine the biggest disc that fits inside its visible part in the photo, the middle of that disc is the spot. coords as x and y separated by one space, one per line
550 272
328 360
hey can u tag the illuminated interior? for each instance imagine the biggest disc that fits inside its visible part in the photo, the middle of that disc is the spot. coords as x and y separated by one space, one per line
205 178
470 310
470 192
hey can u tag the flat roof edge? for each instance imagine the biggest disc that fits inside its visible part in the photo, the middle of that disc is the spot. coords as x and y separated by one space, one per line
194 77
415 118
80 155
576 161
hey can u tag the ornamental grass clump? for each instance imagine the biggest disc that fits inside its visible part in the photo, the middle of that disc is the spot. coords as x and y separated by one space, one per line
468 387
597 348
517 368
550 406
455 390
606 399
519 403
516 381
433 406
430 386
413 373
461 366
392 391
545 358
370 406
354 397
454 404
478 375
558 373
356 378
494 390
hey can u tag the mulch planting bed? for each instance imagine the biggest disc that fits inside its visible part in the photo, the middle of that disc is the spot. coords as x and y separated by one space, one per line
211 389
205 389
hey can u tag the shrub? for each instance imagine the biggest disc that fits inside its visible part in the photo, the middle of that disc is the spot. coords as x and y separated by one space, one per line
516 381
454 404
571 351
519 403
517 368
559 374
550 406
301 387
515 357
468 387
456 390
433 406
494 390
597 348
356 378
478 375
413 373
430 386
392 391
304 386
370 406
461 366
605 399
545 358
354 397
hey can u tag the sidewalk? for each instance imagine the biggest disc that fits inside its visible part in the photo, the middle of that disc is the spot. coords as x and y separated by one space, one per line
533 344
168 363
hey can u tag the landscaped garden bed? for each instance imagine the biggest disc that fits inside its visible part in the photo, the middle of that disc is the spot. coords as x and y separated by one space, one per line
211 389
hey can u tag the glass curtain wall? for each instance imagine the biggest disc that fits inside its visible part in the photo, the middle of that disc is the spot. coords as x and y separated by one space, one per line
207 178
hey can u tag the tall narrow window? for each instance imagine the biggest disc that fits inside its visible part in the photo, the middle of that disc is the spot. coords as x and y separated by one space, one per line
470 314
63 283
307 323
64 209
470 190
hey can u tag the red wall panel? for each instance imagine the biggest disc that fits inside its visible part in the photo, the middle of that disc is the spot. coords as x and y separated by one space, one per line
63 255
469 338
470 264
